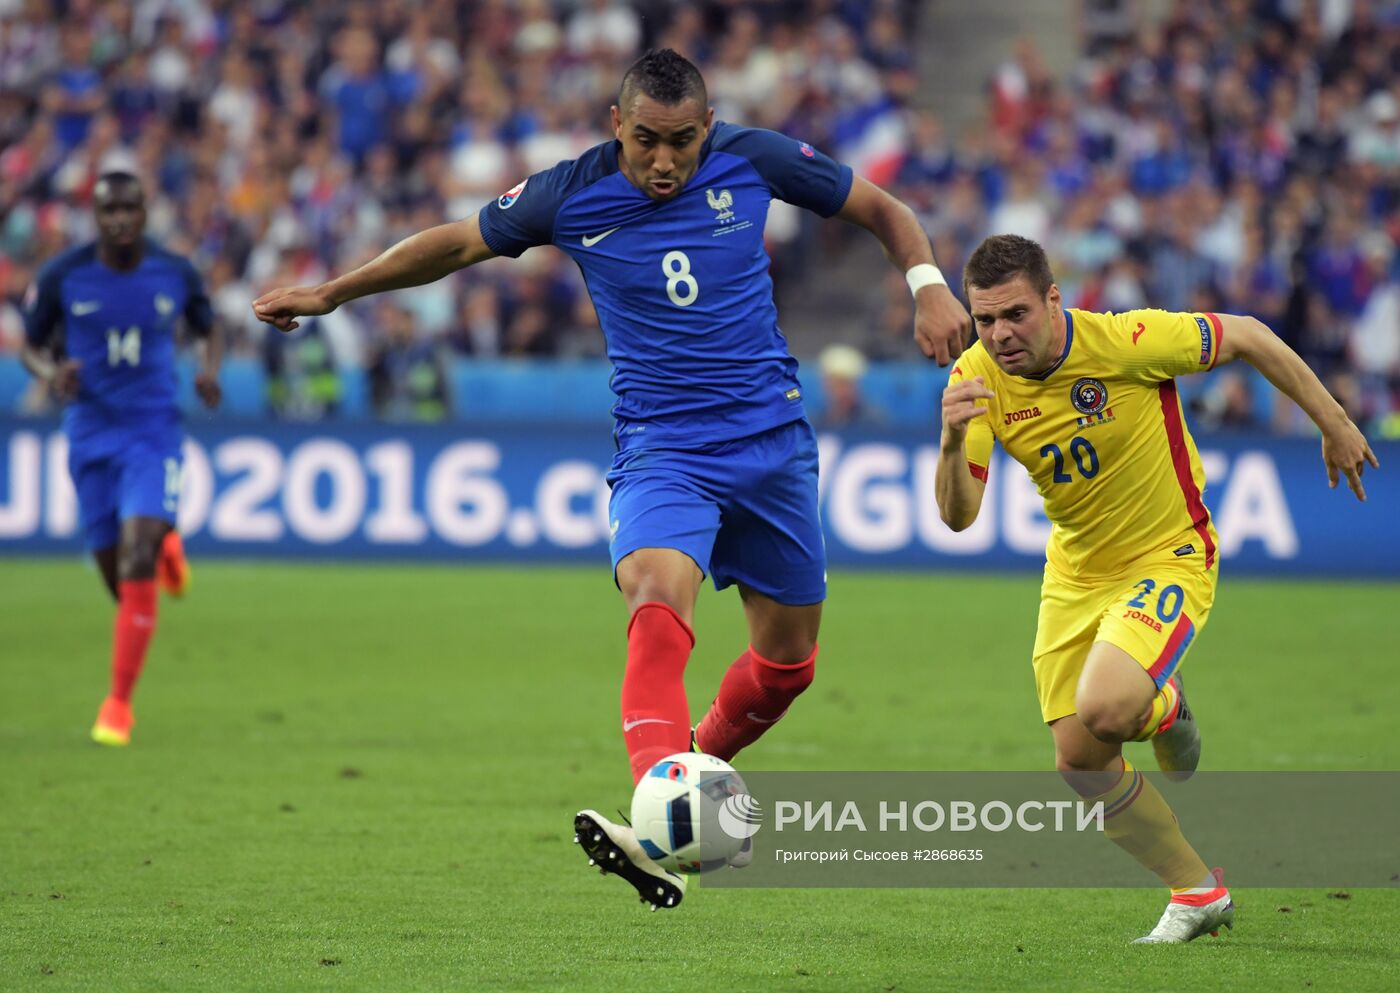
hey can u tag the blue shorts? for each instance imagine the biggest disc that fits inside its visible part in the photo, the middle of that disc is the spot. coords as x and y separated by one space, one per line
745 510
140 478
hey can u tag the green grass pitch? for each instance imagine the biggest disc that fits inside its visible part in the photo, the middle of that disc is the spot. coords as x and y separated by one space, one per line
362 778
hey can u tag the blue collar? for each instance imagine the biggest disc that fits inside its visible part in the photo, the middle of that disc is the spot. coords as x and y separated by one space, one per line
1069 340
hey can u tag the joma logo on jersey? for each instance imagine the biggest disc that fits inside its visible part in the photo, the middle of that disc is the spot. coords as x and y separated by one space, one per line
1022 415
720 204
1137 615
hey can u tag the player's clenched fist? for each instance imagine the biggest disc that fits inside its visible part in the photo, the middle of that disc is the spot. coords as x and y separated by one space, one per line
960 406
940 324
206 384
64 382
282 307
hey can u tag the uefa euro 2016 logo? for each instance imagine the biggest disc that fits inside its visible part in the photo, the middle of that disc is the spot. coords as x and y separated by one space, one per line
1089 396
508 198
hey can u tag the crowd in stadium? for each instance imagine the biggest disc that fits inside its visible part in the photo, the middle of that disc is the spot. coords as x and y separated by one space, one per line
1239 156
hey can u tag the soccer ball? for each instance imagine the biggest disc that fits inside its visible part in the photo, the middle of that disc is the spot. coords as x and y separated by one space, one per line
676 812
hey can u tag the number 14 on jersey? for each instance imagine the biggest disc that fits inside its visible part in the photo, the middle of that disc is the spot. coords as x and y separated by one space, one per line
124 347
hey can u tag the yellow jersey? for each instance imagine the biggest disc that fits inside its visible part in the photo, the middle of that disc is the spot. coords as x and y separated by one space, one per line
1103 436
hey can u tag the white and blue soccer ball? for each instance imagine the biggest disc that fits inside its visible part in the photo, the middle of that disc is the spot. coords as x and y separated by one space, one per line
684 813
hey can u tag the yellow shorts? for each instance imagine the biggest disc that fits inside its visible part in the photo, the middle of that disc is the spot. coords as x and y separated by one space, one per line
1154 619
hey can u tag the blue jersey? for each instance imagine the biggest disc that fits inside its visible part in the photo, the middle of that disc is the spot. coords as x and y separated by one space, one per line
120 327
681 287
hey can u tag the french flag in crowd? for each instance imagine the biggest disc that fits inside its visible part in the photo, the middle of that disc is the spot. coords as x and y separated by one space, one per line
873 140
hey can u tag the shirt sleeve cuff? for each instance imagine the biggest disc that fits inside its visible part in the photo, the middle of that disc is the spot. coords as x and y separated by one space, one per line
843 190
489 236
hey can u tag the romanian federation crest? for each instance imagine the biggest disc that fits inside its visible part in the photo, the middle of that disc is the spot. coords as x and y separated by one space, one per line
1089 396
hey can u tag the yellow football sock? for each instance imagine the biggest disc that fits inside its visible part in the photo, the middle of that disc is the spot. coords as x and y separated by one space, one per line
1138 820
1164 703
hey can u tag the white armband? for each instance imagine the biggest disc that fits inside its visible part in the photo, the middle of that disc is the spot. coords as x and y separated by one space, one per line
924 274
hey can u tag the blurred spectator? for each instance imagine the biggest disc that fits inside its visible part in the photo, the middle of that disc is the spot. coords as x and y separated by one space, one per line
171 66
1377 142
1024 211
76 92
604 26
407 376
1227 402
539 306
891 335
478 326
302 383
133 96
358 90
229 296
842 368
234 103
1374 343
14 280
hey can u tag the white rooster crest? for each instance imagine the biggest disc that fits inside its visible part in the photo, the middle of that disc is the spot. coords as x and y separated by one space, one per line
721 204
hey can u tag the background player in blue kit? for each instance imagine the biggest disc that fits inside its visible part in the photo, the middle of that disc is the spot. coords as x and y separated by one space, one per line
716 465
100 327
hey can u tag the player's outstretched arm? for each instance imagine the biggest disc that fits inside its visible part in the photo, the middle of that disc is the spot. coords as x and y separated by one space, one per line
958 491
1344 447
941 325
421 258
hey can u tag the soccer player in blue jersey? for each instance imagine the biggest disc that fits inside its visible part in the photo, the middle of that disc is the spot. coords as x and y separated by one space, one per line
100 327
716 464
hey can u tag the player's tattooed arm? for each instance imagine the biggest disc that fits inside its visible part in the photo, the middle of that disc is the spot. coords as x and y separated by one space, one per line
957 490
61 376
941 324
421 258
1344 448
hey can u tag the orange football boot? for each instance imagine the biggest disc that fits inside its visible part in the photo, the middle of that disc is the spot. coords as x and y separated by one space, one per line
114 723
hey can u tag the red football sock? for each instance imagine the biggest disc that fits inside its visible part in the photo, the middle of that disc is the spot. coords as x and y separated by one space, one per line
655 717
754 694
131 633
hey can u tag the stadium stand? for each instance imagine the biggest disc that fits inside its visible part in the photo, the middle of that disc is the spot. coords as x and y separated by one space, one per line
1235 155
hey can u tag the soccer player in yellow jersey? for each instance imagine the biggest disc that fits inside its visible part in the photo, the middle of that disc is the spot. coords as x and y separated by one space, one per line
1088 404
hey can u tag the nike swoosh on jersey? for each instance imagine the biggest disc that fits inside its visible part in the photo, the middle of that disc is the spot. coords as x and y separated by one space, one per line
589 240
629 725
1138 333
81 308
761 720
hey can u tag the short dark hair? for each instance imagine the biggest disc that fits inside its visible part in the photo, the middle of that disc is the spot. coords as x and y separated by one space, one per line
119 177
1003 257
664 75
